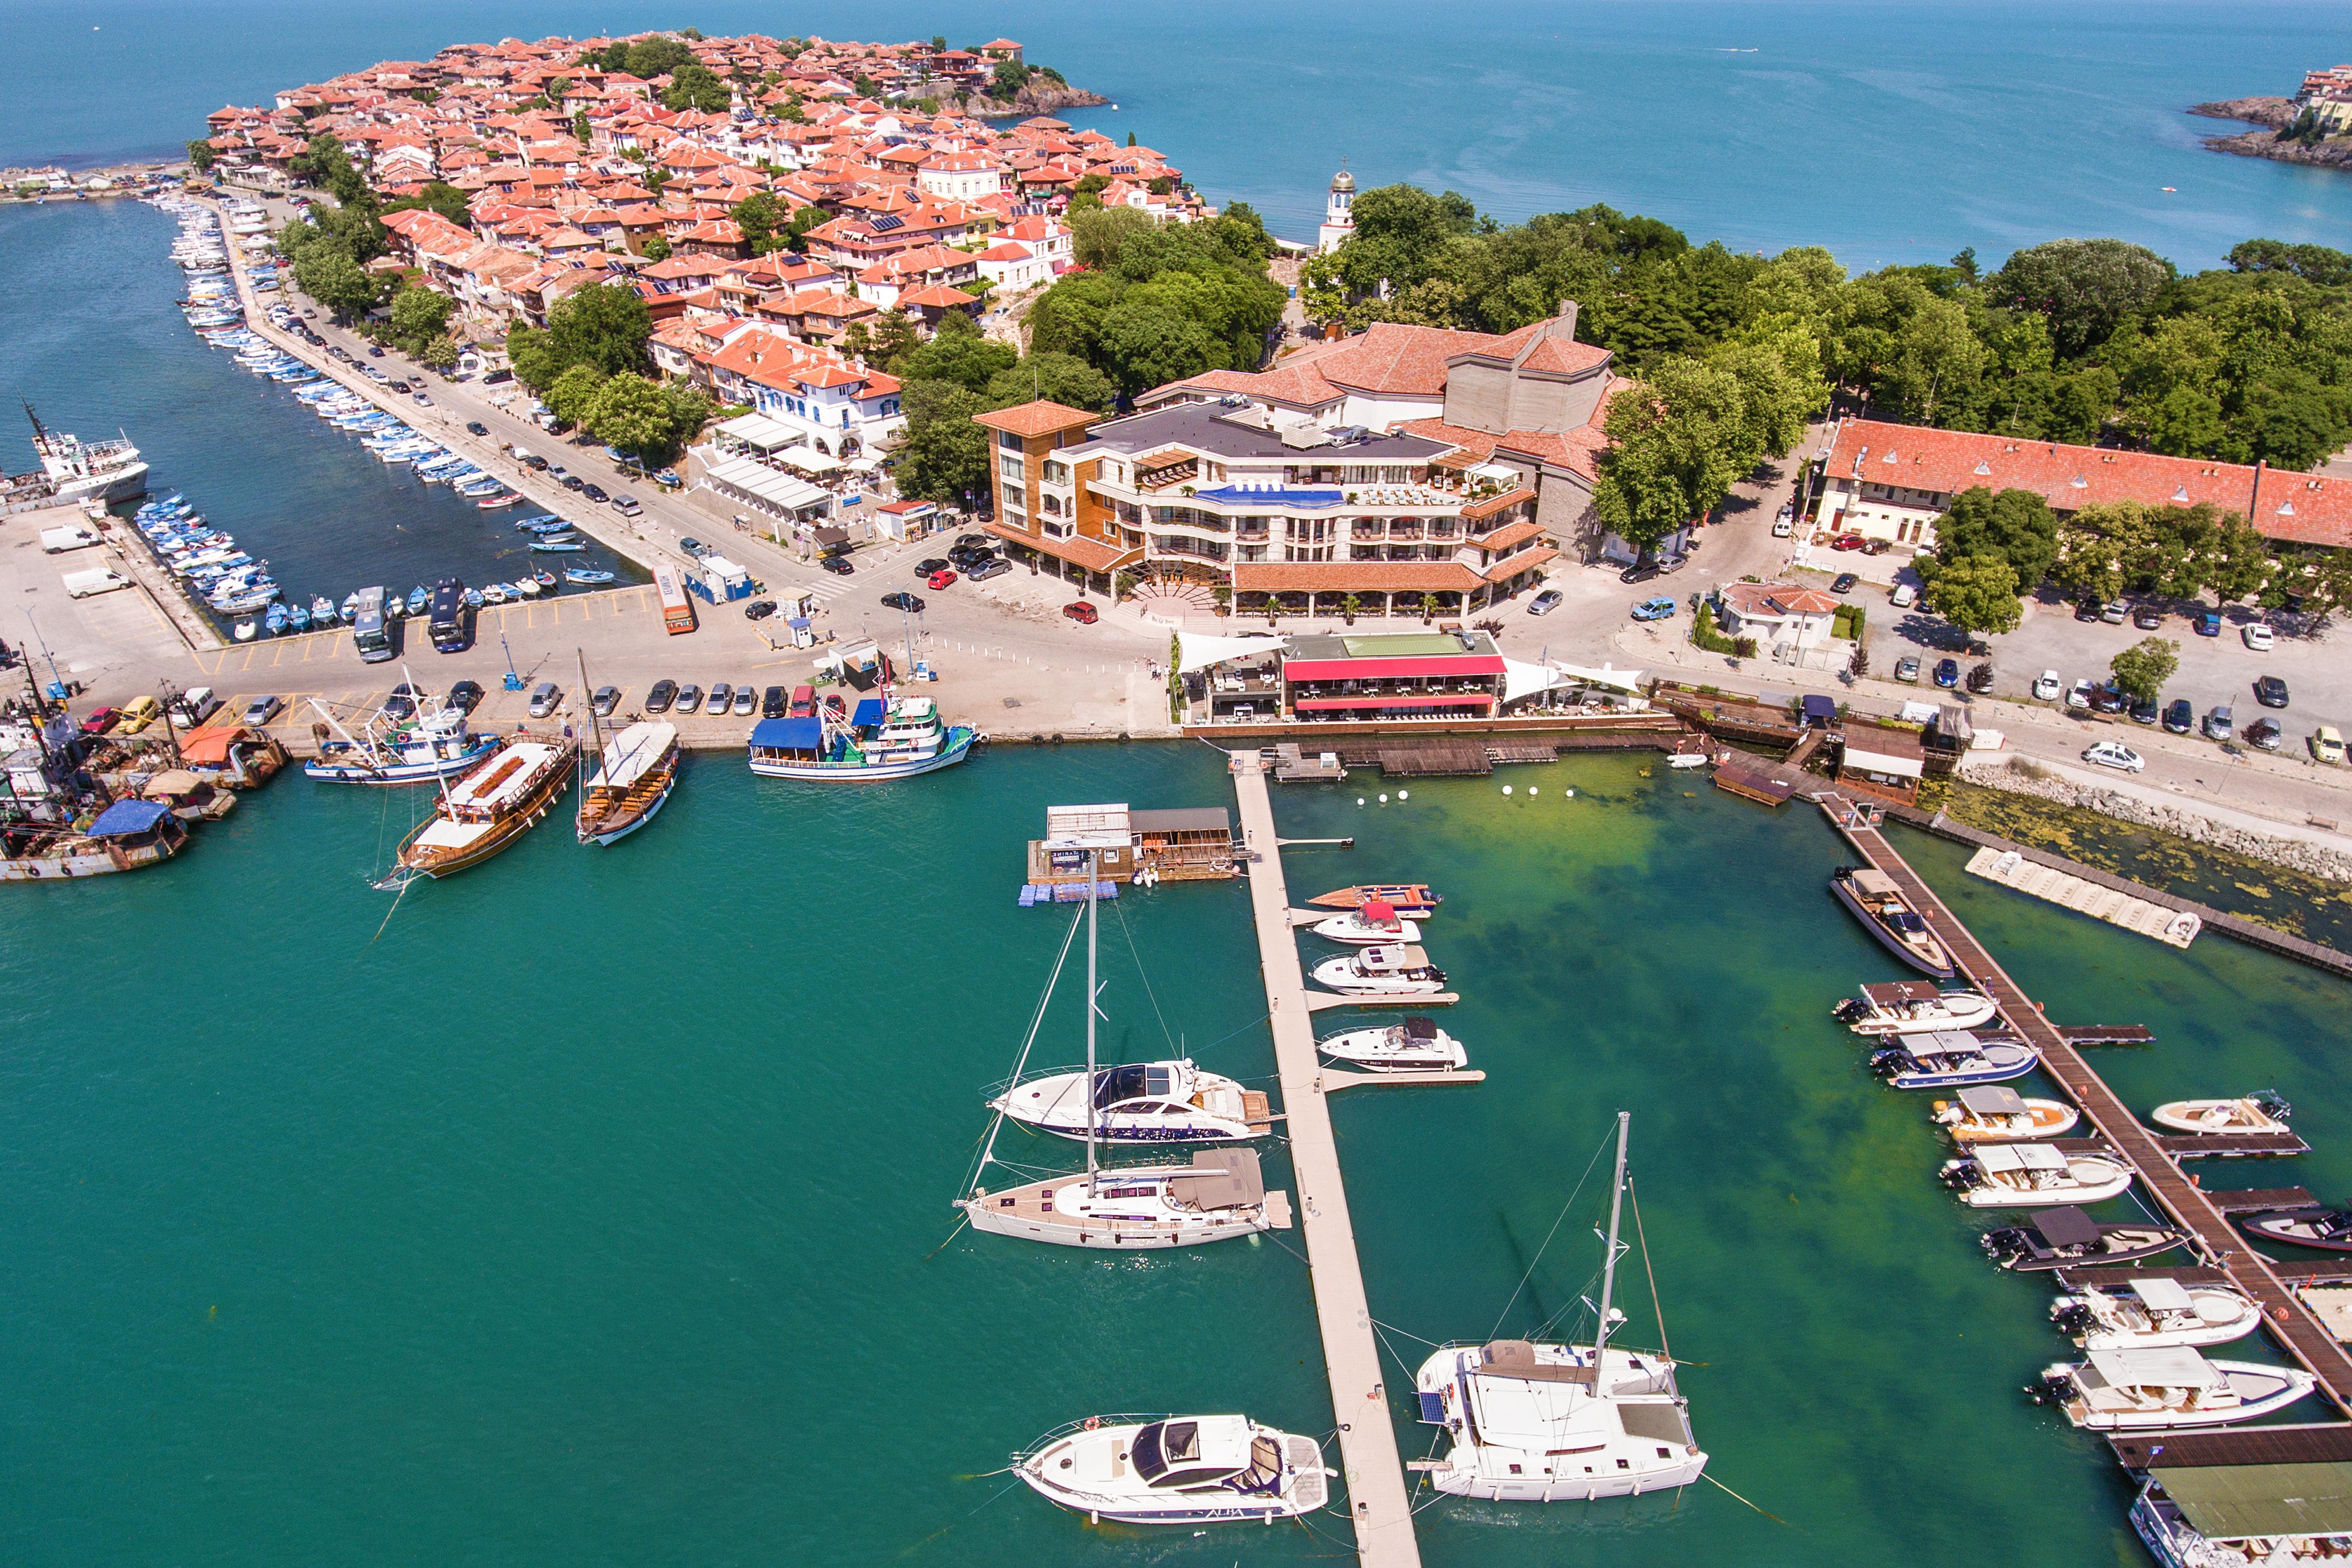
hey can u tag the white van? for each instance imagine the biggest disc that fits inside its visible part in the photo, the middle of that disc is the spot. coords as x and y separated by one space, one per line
103 580
196 705
72 536
1905 595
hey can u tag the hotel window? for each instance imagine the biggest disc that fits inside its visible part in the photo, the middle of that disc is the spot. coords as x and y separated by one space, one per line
1057 473
1011 467
1008 440
1050 503
1014 494
1057 529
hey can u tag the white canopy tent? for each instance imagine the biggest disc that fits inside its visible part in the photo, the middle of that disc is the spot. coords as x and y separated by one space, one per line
757 430
1521 679
1198 650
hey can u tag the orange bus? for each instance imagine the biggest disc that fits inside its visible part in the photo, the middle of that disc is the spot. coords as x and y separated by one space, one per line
677 610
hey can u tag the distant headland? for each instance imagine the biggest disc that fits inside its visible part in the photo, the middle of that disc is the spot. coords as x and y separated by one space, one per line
2312 127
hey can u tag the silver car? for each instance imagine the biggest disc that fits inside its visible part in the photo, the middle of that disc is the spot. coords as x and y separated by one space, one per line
721 697
747 701
545 698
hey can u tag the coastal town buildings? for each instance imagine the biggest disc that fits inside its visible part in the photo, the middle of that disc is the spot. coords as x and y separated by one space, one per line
2327 95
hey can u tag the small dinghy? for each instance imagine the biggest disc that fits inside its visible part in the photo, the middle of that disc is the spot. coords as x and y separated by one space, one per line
2154 1313
2034 1176
418 597
1391 971
322 611
1417 1044
1412 900
525 587
2330 1230
545 579
1951 1059
1370 922
494 593
557 546
2260 1112
585 576
1913 1007
1996 1113
1881 907
1177 1469
244 630
1140 1102
2161 1389
2061 1237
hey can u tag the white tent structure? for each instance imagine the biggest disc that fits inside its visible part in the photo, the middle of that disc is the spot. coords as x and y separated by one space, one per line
1197 650
1522 679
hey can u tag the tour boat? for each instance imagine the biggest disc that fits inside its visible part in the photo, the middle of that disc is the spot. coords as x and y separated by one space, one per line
2155 1312
1176 1469
1417 1044
1951 1059
2330 1230
2034 1176
1371 921
2263 1112
1139 1102
886 737
1995 1113
2061 1237
1391 971
1883 910
486 811
1913 1007
435 746
1536 1422
635 773
1412 900
2165 1388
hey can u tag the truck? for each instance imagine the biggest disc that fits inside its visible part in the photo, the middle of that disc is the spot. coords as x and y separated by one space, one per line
99 580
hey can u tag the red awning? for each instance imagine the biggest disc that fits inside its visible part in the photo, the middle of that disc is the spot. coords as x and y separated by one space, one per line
1461 699
1383 669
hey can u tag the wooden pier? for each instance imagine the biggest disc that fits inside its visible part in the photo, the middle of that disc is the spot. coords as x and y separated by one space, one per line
2293 1324
1378 1504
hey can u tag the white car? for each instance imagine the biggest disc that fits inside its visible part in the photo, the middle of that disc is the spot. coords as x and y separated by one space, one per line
2258 637
2078 695
2110 755
1782 527
2046 687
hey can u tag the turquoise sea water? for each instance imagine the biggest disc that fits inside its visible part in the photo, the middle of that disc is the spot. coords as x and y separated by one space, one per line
591 1207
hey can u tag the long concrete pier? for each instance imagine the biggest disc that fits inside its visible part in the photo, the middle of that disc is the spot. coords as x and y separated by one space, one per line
1376 1502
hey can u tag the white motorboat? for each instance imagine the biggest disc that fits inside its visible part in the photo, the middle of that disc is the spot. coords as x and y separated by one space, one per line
1952 1060
1139 1102
1914 1007
1534 1422
2260 1112
1996 1113
1370 922
1177 1469
2161 1389
1387 970
1417 1044
2034 1176
2155 1312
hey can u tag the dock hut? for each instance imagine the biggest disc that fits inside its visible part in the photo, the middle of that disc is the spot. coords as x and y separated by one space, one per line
1186 844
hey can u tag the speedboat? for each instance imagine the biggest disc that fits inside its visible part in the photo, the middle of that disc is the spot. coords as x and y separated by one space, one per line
1140 1102
2061 1237
1371 921
2155 1312
1951 1059
1995 1113
1176 1469
1389 971
2161 1389
1914 1007
2330 1230
1880 905
2034 1176
1417 1044
2263 1112
1412 900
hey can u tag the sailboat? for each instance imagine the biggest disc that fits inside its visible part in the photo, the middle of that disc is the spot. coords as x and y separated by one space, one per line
635 773
1534 1422
1218 1193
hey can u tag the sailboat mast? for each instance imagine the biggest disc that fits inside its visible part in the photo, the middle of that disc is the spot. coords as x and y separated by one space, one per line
1609 1259
1094 873
595 726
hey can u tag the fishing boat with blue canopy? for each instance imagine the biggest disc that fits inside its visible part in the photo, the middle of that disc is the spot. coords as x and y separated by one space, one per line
886 737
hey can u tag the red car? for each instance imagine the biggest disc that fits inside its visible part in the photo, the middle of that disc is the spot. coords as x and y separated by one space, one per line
1078 610
101 721
941 578
1847 542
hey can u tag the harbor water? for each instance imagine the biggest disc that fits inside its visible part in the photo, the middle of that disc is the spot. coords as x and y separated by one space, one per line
593 1207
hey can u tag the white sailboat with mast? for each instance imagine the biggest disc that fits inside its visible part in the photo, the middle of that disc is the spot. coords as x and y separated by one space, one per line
1218 1195
1536 1422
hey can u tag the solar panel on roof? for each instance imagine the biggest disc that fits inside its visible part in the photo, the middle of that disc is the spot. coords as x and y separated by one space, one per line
886 223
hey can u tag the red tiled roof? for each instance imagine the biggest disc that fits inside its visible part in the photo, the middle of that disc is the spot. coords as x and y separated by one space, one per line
1093 554
1043 417
1344 576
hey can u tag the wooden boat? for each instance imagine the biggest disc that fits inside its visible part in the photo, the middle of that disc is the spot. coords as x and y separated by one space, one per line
1996 1113
635 773
2263 1112
2330 1230
1417 1044
1887 915
2061 1237
2034 1176
2165 1388
1412 900
486 811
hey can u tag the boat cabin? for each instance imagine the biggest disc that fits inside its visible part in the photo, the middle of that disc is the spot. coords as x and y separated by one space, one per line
1207 1451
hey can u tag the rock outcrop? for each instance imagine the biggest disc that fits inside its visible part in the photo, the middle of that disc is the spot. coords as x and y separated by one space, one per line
1038 95
2276 115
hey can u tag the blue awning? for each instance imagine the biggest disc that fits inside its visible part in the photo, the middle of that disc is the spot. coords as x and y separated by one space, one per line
1820 707
125 817
788 734
869 712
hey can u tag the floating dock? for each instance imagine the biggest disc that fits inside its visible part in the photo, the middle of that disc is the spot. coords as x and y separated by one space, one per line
2011 870
1378 1505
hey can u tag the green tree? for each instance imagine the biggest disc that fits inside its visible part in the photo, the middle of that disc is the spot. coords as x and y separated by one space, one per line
627 412
866 86
327 273
796 232
581 131
689 411
946 455
1008 81
656 247
2239 563
2087 288
892 339
2141 670
758 215
605 325
573 393
440 353
1087 195
957 353
2099 549
2016 526
1977 594
437 196
696 86
1057 378
1679 439
200 155
419 316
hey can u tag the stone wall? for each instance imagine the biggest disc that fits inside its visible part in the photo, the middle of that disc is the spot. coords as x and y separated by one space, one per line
2023 776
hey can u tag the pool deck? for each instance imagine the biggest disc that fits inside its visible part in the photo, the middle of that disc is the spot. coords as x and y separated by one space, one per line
1376 1500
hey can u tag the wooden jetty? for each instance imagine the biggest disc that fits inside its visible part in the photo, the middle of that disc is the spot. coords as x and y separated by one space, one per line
2313 1444
2293 1324
1291 765
2110 1035
1378 1505
2264 1200
2086 897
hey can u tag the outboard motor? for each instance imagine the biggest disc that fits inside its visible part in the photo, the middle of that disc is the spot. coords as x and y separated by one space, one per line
1959 1176
2271 1104
2055 1387
1851 1009
2009 1241
1892 1060
2071 1316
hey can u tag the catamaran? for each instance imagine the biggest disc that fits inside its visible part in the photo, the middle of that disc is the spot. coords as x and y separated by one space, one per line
886 737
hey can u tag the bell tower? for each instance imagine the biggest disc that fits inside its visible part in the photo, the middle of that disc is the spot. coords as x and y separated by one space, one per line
1338 220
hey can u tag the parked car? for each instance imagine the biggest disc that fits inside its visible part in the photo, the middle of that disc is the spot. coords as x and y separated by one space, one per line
1947 674
607 699
2258 636
974 538
465 697
2179 716
595 493
2271 692
1783 526
2046 687
1907 668
2218 725
2148 617
1657 609
545 698
759 609
747 702
772 702
574 482
1980 677
2115 612
664 693
375 351
690 698
2107 699
837 565
258 711
196 705
1844 583
2089 610
1903 596
2266 733
2208 624
1847 542
2078 695
1545 603
401 387
420 399
693 547
992 567
476 427
2145 711
627 506
535 463
942 578
803 704
1079 610
1640 571
925 568
137 714
910 603
2114 755
722 698
2327 745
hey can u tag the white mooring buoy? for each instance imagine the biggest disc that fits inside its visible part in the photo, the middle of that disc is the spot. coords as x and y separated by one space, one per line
1404 794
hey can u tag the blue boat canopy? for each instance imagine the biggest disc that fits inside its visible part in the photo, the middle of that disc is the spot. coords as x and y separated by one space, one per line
125 817
869 712
788 734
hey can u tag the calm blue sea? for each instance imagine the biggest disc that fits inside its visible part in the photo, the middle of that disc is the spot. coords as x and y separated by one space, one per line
1886 132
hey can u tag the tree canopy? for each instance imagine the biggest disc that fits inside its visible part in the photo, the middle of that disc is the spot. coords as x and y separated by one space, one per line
2141 670
603 326
696 86
1160 303
436 196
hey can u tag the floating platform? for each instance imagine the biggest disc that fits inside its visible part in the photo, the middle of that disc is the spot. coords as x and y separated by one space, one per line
2331 1304
2231 1145
1759 782
1323 1001
2115 1276
2327 1444
2110 1035
1333 1079
1291 765
1034 893
2176 928
2264 1200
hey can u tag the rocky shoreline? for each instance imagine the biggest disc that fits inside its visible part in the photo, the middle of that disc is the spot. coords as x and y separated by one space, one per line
2274 114
1037 96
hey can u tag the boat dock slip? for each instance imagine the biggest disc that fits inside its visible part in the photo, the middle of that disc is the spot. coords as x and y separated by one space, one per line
2264 1200
2297 1444
1368 1451
1332 1080
2011 870
1323 1001
2111 1035
2152 1158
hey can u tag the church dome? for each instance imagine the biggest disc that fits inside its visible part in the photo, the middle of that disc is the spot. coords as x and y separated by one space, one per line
1343 181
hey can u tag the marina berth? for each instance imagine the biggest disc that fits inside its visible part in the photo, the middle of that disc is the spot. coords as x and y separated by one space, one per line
2034 1176
1371 921
1140 1102
884 738
1417 1044
1994 1113
2065 1237
1389 971
636 772
1177 1469
1880 905
2253 1113
2160 1389
1952 1059
2155 1312
1913 1007
486 811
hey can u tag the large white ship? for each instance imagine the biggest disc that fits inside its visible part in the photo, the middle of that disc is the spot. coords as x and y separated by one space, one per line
74 470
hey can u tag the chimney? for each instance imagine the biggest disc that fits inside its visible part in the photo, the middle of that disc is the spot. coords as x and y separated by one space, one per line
2255 500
